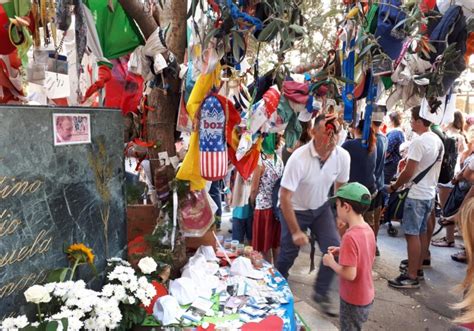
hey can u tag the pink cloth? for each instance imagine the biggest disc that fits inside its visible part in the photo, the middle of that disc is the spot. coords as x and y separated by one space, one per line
358 250
297 92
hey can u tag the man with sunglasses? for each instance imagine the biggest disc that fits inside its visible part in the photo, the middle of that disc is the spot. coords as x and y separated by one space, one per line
309 175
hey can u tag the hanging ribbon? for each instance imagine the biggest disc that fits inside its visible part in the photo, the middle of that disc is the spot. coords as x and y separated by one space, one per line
175 217
368 111
348 72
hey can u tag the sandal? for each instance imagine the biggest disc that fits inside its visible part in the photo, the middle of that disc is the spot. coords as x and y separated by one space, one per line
460 257
445 221
442 242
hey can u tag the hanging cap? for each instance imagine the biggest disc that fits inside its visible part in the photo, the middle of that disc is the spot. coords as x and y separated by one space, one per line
6 46
391 41
242 266
354 192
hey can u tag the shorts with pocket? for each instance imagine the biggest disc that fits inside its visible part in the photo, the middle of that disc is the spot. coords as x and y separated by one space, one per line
415 216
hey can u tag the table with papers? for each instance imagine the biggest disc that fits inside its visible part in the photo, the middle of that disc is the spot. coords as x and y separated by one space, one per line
234 300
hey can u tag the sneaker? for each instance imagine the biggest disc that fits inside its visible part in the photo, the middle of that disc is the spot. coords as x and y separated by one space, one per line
420 274
325 305
404 264
403 281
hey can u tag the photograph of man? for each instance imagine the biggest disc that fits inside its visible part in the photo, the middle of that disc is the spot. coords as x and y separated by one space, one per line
64 129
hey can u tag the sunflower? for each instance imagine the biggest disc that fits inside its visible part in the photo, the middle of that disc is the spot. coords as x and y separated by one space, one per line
80 252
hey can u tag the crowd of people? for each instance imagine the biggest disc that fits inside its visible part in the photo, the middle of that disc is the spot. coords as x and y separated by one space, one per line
336 185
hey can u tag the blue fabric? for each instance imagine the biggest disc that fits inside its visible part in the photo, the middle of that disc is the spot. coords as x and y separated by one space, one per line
415 216
368 111
242 229
380 161
282 287
237 14
389 16
348 72
215 193
362 163
395 139
241 212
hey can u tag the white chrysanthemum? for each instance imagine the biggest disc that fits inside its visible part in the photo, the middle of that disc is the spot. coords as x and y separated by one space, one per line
132 284
108 290
119 293
14 323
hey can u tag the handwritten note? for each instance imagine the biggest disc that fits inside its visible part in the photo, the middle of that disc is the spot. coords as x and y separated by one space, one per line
57 85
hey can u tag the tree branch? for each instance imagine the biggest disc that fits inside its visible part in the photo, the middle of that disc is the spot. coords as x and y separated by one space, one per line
136 11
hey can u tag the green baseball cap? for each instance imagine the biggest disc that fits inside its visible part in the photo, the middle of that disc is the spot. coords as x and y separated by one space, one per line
354 192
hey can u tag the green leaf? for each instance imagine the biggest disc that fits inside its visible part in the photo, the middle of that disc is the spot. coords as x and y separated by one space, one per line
268 31
364 51
209 36
235 46
65 323
297 28
52 326
57 275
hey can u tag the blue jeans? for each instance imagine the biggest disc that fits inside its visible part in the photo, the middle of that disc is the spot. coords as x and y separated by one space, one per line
322 223
415 216
241 229
215 193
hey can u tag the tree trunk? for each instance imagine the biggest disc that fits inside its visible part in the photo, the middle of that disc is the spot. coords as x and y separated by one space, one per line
161 121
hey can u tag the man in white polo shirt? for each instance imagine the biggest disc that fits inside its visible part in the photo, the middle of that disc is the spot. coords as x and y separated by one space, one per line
309 174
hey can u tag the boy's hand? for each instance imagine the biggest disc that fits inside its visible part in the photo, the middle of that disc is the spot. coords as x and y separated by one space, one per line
328 259
333 250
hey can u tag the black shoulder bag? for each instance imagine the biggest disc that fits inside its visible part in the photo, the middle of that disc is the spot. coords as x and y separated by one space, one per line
396 200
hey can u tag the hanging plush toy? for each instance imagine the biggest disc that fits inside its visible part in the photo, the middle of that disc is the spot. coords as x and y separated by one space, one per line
212 144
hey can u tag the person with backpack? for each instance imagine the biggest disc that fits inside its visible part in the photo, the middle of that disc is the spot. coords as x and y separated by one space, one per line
424 160
455 132
395 137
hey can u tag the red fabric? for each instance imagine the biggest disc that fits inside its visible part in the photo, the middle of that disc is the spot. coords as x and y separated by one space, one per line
124 90
272 98
161 291
297 92
358 250
104 75
249 162
6 46
266 230
211 327
270 323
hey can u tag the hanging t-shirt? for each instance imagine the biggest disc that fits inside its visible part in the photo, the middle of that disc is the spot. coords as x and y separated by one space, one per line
271 174
117 32
362 163
425 149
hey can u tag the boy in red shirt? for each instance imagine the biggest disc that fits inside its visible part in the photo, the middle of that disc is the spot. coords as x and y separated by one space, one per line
356 256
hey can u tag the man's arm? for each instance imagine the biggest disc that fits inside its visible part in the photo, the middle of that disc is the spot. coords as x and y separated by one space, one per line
468 175
405 176
337 185
299 237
